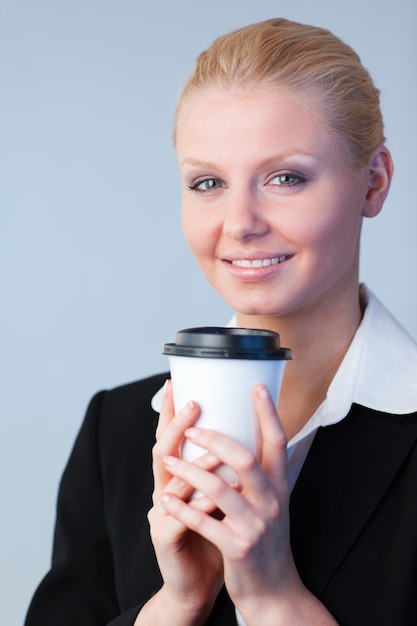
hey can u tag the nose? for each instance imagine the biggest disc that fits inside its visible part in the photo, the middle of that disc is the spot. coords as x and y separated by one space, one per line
244 219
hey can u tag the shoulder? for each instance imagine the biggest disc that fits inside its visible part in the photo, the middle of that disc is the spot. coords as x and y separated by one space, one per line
132 396
387 371
129 406
121 418
368 426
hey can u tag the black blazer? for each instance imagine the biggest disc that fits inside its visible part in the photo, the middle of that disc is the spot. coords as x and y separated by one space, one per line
353 519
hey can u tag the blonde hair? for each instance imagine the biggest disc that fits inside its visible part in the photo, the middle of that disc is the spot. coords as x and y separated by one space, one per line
308 60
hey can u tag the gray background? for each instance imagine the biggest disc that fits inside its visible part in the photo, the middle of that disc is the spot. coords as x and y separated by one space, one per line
95 274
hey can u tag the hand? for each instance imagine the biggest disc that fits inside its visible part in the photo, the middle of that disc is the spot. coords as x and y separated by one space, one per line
191 566
253 536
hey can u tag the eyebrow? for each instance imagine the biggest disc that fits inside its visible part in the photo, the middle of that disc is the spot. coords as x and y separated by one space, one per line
265 162
196 163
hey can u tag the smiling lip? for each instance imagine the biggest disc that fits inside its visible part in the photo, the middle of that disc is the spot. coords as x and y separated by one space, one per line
255 263
257 268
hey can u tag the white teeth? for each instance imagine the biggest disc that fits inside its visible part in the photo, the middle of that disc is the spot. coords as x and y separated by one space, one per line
259 262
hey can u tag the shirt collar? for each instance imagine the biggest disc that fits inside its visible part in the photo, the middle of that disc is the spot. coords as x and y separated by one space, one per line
378 371
387 367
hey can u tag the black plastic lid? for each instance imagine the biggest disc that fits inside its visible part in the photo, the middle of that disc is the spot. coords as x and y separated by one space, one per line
228 343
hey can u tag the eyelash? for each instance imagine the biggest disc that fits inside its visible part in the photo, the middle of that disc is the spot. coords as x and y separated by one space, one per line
296 180
194 187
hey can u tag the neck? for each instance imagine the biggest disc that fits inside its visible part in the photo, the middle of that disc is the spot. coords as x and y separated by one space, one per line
318 340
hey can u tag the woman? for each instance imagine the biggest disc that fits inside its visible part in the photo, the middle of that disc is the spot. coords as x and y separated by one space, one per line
281 151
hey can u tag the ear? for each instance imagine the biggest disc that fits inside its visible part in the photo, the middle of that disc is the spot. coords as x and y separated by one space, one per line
379 175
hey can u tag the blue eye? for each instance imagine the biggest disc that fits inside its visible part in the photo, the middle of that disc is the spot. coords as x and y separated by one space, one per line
203 186
286 180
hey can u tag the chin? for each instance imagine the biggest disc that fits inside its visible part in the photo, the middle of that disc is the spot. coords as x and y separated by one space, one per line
255 310
256 303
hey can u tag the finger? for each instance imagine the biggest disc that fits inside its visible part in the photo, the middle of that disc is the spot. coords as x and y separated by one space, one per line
172 437
165 529
243 462
167 409
170 441
192 517
182 489
218 493
273 441
164 525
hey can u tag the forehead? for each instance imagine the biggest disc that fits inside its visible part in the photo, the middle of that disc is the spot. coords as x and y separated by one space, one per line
239 119
306 98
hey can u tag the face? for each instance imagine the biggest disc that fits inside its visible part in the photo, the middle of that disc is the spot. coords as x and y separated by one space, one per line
272 208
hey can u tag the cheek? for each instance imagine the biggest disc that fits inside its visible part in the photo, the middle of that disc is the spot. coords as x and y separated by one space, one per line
335 222
188 225
195 233
327 239
201 230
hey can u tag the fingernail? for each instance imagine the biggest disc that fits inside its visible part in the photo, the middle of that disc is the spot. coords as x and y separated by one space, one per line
263 392
192 433
165 387
188 409
169 460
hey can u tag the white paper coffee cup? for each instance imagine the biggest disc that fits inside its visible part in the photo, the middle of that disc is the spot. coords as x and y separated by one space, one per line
218 368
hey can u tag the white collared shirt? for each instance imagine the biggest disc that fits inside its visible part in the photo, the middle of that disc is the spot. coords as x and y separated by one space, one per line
378 371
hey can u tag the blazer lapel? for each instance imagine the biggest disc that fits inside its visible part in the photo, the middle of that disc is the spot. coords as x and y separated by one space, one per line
346 473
